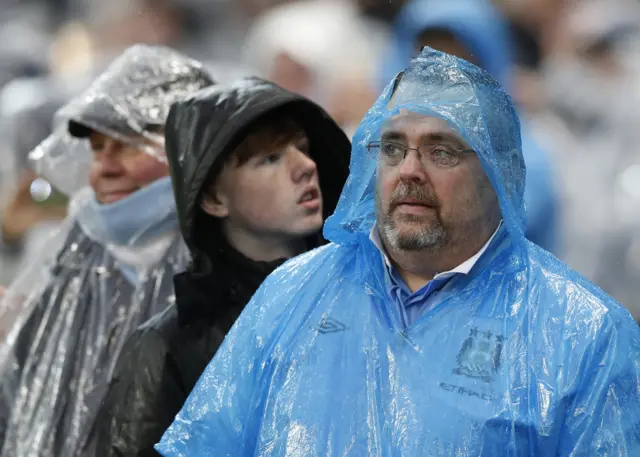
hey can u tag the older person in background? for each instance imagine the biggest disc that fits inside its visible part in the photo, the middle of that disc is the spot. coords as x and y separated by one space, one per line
114 263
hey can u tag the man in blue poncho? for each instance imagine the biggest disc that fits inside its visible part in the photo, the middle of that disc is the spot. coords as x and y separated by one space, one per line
430 326
475 31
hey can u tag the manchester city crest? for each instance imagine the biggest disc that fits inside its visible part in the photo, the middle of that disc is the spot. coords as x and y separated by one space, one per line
479 356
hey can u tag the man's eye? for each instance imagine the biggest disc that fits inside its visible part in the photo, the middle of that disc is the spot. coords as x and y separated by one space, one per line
442 152
392 150
444 156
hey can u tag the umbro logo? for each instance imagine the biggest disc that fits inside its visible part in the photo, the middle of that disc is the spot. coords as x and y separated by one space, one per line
330 325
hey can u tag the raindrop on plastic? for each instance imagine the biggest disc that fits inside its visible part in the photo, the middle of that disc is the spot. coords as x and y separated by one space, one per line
40 190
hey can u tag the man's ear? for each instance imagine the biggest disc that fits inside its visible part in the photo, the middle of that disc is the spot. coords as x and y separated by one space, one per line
214 204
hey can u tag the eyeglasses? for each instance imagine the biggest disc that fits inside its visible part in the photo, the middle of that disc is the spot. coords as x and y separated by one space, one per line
441 155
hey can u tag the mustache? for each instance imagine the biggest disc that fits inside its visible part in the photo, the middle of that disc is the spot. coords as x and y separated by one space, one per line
413 192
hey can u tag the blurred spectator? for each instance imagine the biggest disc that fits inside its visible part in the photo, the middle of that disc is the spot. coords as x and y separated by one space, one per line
592 84
382 10
475 31
31 209
251 9
155 22
539 18
321 49
87 42
592 56
25 33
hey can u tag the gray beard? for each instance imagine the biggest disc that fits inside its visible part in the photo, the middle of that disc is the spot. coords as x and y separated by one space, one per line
430 236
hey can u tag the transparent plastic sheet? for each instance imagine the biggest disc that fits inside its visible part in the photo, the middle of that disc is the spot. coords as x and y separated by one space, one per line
522 357
129 101
63 322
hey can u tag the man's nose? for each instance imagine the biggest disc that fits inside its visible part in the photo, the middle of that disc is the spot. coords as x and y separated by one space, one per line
412 168
108 159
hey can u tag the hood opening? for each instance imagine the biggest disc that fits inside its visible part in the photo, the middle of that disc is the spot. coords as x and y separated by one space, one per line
329 148
470 100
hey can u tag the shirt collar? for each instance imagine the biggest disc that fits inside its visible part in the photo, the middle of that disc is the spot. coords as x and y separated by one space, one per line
464 268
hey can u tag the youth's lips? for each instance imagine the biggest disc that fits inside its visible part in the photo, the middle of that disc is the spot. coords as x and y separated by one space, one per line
310 198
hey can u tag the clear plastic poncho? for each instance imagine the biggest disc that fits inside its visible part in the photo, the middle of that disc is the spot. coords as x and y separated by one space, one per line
129 101
519 358
65 319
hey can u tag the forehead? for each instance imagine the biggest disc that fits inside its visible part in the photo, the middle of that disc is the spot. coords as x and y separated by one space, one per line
132 141
409 125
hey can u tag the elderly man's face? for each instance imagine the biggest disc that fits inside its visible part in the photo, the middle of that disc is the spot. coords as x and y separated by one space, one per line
119 169
439 196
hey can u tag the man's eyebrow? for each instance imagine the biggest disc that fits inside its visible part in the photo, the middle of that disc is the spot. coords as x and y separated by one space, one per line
392 135
445 138
439 137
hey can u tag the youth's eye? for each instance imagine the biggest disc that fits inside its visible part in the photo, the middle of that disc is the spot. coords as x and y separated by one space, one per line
303 146
270 159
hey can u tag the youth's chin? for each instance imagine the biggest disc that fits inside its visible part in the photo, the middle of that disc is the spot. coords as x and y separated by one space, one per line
308 225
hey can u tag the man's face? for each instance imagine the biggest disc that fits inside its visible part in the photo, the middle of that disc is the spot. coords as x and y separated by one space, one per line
274 194
421 204
119 169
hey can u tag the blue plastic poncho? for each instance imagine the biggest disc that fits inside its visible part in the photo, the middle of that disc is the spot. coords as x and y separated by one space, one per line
521 357
480 28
